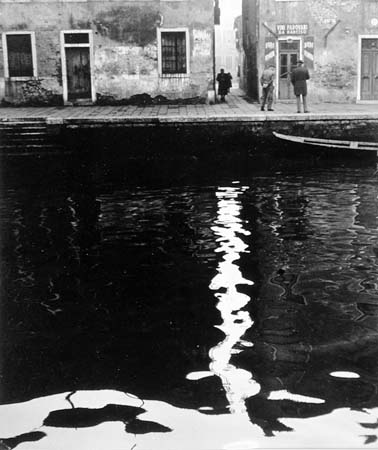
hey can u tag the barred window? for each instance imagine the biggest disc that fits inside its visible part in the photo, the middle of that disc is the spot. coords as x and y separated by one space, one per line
173 52
20 59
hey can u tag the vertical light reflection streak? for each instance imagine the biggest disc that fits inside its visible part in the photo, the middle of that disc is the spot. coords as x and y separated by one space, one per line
238 383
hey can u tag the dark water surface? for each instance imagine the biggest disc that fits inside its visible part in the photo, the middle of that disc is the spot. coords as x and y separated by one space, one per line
188 307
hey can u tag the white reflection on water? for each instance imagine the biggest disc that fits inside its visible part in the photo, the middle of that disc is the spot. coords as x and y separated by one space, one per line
190 429
229 227
198 375
344 375
285 395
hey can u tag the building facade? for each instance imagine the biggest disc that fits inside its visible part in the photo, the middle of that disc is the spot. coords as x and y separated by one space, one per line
226 52
105 52
337 39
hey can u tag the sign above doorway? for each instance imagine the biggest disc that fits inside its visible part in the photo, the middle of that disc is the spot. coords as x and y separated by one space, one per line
292 28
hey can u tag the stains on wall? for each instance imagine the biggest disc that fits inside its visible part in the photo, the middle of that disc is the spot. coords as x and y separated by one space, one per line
129 24
323 12
126 61
126 56
20 26
202 43
327 12
335 82
31 93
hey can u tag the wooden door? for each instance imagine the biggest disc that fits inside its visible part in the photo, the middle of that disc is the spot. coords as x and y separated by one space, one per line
78 73
369 69
289 55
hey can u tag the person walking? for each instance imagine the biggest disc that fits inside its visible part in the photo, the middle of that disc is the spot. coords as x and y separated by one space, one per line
299 78
224 84
267 84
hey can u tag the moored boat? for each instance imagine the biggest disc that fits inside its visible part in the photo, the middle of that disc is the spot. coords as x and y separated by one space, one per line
330 143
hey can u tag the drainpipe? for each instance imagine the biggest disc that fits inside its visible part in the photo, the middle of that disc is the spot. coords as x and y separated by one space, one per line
253 42
214 61
217 14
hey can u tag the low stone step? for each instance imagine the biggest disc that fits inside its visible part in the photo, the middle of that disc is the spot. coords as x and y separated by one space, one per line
23 139
28 137
29 146
26 128
34 152
40 128
10 125
24 131
12 120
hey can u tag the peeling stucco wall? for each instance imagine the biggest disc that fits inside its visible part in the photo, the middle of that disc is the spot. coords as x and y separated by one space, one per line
125 45
335 26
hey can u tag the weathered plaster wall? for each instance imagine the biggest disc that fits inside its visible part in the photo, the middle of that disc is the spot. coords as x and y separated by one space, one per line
334 76
125 61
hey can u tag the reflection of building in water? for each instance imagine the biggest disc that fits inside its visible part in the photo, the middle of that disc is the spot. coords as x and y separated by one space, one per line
47 248
367 205
229 228
316 256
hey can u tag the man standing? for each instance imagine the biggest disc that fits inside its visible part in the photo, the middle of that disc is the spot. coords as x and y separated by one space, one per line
267 84
299 78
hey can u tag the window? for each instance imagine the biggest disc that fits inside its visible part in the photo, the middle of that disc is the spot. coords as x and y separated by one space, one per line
369 44
19 54
174 52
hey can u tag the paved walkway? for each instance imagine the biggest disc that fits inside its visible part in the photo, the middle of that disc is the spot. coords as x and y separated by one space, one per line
237 108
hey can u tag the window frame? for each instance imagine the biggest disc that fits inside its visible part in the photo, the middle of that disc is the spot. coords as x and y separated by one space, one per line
33 52
160 55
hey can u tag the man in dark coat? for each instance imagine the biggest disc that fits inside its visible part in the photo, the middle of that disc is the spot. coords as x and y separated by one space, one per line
299 78
224 80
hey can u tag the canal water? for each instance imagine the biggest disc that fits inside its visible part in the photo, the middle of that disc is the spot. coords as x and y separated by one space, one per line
180 306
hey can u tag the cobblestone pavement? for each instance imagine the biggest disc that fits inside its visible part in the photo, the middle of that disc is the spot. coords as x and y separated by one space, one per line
237 106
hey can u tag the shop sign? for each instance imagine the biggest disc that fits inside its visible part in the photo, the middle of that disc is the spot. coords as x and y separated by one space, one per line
292 28
270 53
308 51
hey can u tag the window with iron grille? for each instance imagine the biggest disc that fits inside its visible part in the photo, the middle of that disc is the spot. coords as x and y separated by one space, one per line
19 53
173 52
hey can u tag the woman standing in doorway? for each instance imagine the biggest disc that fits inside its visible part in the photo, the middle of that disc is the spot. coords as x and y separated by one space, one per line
224 84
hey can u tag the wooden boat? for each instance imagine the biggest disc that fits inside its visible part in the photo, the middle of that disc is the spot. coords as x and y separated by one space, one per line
330 143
